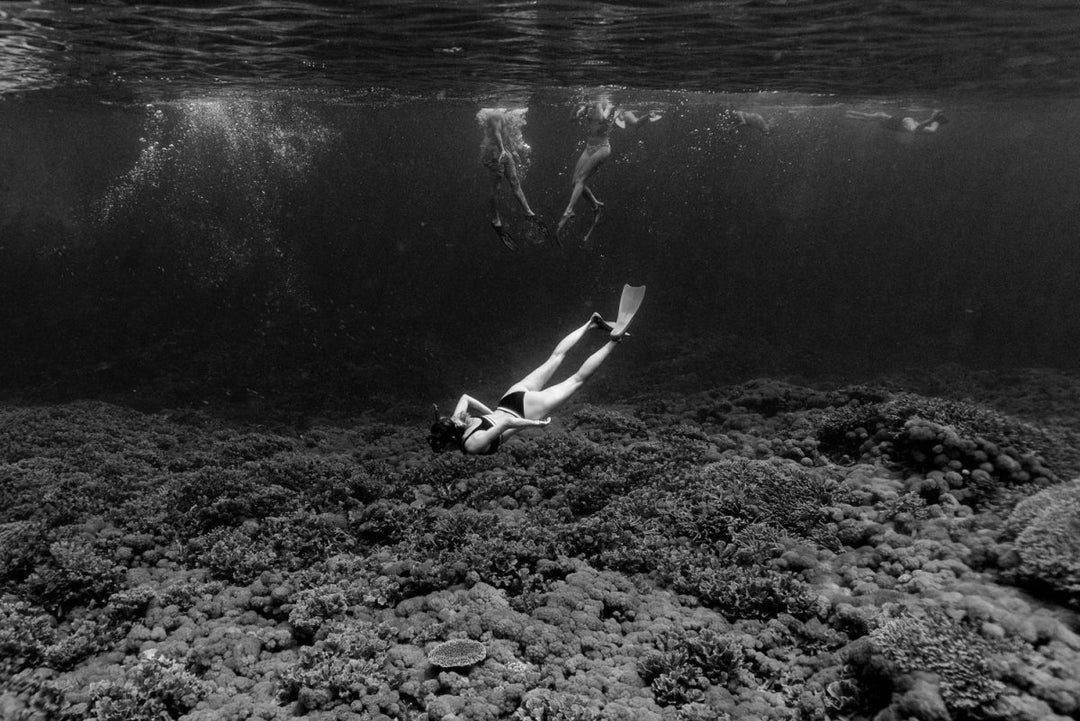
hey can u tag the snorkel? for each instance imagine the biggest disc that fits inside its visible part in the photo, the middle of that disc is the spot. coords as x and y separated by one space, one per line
444 432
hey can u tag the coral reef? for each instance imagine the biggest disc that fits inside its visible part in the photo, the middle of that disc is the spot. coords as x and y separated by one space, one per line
763 551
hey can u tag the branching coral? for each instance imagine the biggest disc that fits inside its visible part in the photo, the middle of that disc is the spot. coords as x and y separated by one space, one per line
333 483
21 544
216 496
73 575
25 632
928 640
600 424
80 639
738 592
347 665
130 603
689 663
291 542
542 705
152 688
337 594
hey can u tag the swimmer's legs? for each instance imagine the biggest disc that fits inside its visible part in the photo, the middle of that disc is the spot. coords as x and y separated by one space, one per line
596 204
569 212
496 220
859 115
542 403
595 219
539 377
536 380
597 209
515 185
493 202
587 165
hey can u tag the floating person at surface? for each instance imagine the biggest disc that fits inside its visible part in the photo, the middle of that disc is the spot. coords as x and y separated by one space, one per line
504 152
905 124
733 119
599 116
527 404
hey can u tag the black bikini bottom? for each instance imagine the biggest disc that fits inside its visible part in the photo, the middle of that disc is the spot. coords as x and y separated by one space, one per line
513 403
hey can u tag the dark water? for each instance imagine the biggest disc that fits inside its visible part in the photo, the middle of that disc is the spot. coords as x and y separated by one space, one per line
284 200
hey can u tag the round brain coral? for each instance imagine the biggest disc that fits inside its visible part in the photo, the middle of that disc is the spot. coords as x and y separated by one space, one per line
457 652
1032 507
1049 546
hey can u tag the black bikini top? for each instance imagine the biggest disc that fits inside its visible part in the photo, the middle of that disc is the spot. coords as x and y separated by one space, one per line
485 424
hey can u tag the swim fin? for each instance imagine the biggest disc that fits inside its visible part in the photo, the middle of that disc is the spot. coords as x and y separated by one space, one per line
597 212
632 295
504 236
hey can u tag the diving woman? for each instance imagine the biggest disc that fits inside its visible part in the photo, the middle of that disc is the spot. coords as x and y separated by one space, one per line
527 403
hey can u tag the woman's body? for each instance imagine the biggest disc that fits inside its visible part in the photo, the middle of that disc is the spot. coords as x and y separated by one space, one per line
739 118
599 117
526 404
905 124
501 151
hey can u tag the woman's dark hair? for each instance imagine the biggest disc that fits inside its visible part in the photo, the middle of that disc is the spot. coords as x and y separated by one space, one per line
444 432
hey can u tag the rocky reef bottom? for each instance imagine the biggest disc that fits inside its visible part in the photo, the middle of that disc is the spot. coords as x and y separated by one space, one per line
759 551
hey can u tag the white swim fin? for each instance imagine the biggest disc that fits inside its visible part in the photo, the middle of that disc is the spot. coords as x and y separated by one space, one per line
632 295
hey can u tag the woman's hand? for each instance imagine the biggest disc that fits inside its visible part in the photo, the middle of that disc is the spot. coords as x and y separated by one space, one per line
543 421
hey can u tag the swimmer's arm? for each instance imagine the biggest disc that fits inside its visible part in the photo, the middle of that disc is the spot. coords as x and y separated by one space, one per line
579 113
467 403
927 126
524 422
631 117
477 442
512 424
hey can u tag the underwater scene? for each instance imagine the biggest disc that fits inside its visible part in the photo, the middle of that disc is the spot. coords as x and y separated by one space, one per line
540 360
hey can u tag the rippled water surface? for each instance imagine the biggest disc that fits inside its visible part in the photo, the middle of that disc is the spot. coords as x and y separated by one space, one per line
121 51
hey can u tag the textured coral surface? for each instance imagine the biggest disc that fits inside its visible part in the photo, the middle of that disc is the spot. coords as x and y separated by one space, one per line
760 551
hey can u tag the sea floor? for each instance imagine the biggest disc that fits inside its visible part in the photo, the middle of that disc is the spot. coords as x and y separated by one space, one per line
902 549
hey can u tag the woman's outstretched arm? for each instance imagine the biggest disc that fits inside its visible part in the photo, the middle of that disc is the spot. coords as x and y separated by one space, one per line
632 117
479 440
467 403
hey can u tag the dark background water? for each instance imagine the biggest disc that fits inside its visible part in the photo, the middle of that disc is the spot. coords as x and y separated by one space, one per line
283 204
